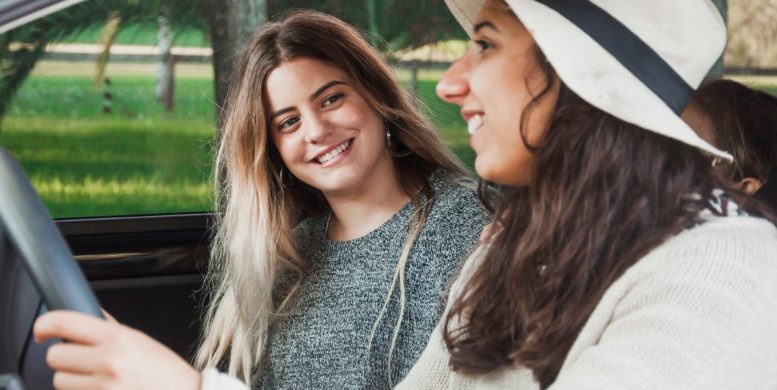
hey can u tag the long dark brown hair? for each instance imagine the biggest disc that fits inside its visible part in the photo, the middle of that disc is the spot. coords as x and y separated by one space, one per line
603 194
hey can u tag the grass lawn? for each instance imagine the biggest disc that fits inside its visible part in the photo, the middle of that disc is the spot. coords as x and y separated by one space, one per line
137 159
140 34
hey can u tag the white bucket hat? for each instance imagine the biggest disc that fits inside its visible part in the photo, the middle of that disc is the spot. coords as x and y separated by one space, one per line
638 60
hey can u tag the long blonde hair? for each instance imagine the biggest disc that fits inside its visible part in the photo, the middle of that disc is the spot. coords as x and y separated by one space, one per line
258 202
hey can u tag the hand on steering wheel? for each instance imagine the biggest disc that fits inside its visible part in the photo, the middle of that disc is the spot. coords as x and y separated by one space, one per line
104 354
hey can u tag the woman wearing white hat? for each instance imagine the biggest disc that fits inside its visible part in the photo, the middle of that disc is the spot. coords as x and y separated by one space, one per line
619 261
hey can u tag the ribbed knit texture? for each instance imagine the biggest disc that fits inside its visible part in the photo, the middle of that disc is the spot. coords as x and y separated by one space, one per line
698 312
321 343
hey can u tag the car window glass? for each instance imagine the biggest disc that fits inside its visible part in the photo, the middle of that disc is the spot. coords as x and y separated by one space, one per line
112 135
133 132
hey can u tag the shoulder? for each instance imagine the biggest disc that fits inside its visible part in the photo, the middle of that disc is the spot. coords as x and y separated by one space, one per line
736 253
697 311
454 223
740 241
455 200
310 227
457 216
713 278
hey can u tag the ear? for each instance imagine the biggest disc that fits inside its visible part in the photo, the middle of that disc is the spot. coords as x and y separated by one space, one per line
749 185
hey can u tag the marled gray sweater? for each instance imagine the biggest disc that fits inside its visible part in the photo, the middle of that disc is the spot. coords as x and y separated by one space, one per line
322 342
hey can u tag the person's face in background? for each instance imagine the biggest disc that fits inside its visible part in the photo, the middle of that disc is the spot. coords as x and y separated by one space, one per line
325 132
493 83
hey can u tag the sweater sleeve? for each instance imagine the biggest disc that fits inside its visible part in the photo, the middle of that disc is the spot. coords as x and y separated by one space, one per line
697 314
212 379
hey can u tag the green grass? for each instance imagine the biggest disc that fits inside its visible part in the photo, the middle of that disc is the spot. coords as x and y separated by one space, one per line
106 166
141 34
137 159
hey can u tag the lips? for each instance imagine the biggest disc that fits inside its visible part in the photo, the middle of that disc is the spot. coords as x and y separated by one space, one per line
334 152
473 123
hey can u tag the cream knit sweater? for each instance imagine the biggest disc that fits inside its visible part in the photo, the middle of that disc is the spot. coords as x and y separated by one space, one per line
698 312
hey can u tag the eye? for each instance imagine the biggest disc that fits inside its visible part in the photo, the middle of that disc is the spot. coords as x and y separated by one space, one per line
332 99
288 123
483 45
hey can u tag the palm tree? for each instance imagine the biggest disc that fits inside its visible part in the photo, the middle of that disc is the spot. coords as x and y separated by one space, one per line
401 24
21 48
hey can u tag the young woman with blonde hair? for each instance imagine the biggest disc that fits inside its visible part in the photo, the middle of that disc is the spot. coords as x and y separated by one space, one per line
340 218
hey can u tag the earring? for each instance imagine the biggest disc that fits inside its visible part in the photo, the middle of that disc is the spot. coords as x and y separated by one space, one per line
388 138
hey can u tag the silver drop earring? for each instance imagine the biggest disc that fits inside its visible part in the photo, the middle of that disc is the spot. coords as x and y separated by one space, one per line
388 138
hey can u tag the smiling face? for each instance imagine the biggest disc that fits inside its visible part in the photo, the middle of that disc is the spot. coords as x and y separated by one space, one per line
493 83
325 132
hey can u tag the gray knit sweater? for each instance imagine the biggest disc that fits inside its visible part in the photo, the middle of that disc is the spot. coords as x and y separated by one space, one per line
322 342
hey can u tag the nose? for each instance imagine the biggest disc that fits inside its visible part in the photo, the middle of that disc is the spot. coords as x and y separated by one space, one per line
454 85
317 129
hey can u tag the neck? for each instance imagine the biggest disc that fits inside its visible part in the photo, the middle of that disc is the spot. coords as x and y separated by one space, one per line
358 212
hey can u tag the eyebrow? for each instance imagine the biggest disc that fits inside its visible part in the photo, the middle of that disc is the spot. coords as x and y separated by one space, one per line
484 24
324 88
313 96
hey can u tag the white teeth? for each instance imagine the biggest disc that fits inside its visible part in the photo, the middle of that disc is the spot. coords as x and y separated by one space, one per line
334 152
474 123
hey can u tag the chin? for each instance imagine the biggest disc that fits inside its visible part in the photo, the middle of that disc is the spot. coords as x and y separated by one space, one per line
339 184
486 171
499 175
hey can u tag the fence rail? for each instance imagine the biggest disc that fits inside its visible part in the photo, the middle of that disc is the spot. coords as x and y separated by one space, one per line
124 53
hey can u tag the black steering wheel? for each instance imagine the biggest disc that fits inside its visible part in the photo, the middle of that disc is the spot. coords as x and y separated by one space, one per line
32 239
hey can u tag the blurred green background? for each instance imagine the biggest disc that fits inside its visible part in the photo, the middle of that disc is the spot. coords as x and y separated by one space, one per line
137 159
140 159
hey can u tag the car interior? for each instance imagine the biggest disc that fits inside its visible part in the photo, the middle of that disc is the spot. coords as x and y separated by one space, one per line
145 277
145 269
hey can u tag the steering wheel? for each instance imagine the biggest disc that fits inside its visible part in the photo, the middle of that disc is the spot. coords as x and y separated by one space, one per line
32 237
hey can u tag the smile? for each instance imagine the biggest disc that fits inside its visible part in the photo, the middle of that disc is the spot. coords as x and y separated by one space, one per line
328 156
474 123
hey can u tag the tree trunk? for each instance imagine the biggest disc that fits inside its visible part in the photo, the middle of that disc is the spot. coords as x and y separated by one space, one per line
230 23
372 21
164 72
